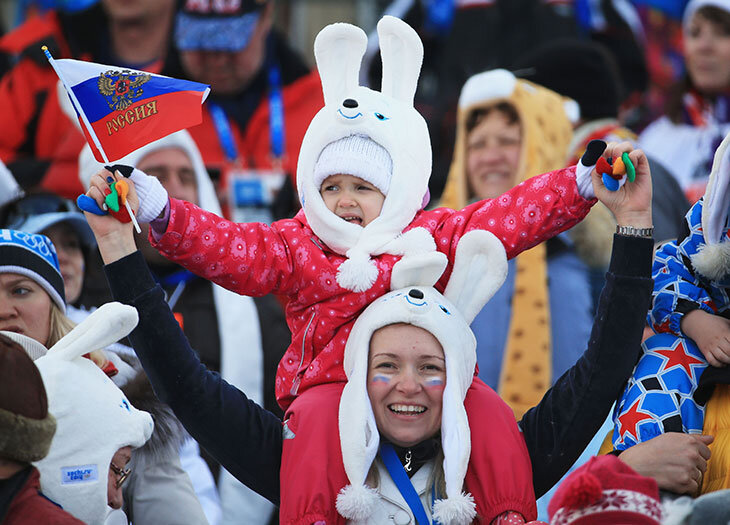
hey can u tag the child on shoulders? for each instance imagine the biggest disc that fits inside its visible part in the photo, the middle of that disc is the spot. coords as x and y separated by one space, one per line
362 180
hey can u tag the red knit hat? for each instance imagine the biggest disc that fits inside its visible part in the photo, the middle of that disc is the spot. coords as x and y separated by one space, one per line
606 491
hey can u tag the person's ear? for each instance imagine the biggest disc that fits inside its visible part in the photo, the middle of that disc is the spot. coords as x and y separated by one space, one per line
266 19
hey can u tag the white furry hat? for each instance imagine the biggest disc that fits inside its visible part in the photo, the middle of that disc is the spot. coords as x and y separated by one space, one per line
480 267
94 418
694 5
389 119
713 259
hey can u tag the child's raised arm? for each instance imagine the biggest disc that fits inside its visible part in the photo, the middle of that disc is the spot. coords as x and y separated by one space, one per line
545 205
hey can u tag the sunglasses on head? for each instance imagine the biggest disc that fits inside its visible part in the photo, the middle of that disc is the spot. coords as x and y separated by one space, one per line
17 212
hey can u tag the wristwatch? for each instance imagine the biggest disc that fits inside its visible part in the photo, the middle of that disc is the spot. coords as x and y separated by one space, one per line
630 231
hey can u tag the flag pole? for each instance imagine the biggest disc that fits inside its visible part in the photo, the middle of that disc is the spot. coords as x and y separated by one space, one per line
76 103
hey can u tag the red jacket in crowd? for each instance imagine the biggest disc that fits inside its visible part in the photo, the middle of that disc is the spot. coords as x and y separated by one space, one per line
30 507
41 144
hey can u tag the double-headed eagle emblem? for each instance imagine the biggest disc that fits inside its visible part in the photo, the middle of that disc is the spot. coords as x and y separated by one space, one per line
122 86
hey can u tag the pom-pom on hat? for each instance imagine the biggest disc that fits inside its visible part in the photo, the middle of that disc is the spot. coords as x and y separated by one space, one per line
355 155
606 491
26 427
33 256
480 267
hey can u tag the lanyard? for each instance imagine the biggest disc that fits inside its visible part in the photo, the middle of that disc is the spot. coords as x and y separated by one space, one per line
223 129
178 279
276 120
276 113
400 478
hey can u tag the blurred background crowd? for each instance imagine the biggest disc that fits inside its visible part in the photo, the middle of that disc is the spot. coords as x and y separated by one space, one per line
640 70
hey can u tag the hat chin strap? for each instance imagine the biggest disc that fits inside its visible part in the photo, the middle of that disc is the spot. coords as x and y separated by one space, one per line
359 272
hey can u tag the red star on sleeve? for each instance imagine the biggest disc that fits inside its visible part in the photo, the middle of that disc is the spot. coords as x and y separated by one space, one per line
678 356
631 418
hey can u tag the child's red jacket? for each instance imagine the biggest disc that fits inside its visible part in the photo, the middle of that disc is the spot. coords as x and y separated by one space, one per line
287 258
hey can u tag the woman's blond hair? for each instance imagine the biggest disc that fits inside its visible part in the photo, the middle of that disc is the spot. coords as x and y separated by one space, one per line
60 325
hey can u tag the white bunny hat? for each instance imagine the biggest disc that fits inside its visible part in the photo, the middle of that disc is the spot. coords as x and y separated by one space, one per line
713 259
94 418
389 119
480 268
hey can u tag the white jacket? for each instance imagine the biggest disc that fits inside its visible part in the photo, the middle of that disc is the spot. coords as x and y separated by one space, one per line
393 509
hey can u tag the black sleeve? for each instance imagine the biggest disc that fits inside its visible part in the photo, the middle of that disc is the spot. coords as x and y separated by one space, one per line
242 436
559 428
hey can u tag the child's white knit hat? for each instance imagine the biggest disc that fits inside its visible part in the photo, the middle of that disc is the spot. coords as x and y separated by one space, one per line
356 155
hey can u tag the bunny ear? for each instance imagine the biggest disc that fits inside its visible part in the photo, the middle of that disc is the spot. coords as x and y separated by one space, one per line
338 50
401 50
480 267
104 326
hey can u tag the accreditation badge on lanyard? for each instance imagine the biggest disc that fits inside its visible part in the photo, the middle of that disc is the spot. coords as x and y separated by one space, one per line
251 192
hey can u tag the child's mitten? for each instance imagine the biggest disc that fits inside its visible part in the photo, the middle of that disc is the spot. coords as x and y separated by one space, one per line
152 196
592 155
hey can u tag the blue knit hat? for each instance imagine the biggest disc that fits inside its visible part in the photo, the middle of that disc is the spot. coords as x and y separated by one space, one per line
216 26
33 256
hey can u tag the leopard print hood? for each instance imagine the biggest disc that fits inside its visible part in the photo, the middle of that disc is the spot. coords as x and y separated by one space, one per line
545 118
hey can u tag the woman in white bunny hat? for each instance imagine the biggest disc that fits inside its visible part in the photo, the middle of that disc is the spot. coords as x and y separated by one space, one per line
362 180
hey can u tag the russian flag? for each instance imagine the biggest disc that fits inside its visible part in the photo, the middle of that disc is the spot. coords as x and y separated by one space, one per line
121 110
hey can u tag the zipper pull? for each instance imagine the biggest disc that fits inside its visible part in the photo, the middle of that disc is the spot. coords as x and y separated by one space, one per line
407 464
295 385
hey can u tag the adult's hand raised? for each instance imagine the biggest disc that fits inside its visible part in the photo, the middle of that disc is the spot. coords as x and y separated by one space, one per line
676 461
631 203
114 238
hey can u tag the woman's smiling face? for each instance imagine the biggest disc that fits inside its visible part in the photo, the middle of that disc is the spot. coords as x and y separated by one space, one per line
406 380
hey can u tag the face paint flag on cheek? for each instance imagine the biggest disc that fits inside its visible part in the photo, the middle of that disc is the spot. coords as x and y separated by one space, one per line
434 382
379 378
121 110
